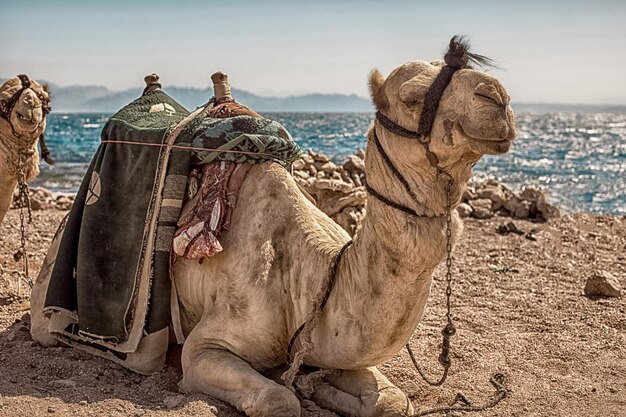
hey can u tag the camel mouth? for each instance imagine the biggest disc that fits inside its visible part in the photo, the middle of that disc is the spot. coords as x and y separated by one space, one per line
30 124
492 146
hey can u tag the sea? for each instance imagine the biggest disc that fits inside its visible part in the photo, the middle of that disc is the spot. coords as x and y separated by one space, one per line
579 159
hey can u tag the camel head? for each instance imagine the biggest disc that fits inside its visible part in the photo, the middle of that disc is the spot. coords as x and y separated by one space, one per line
473 116
24 105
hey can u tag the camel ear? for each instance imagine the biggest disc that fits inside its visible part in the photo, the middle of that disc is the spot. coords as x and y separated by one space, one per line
376 82
413 91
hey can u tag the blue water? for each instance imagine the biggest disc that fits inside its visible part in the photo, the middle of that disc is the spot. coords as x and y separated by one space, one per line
578 158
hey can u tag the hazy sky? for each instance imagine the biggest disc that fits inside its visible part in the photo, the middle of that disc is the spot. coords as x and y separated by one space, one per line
549 51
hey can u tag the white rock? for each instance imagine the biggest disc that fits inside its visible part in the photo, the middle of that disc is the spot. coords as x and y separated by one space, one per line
603 284
481 208
354 164
65 383
298 164
173 401
464 210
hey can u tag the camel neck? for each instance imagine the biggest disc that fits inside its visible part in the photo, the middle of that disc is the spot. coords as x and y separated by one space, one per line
420 189
10 157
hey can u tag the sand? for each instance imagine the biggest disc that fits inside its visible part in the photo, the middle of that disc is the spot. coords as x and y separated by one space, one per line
518 303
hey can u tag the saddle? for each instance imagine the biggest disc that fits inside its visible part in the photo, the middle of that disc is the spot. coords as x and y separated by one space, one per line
110 262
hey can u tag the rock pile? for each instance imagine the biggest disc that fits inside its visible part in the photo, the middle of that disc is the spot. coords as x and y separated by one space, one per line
489 198
339 192
44 199
337 189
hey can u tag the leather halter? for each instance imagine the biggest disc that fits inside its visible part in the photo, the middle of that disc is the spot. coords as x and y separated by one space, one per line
7 108
427 118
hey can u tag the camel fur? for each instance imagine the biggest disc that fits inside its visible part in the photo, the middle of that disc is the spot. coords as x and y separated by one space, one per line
240 308
19 135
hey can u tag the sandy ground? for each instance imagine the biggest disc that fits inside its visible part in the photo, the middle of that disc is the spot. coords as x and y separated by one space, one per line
518 303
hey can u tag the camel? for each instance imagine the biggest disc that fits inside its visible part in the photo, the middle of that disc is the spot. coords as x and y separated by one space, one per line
284 258
24 105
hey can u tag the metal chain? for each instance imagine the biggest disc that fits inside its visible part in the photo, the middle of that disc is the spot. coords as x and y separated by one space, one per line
23 201
497 380
449 330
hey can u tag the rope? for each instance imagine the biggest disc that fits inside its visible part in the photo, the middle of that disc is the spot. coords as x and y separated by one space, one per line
306 327
164 145
499 383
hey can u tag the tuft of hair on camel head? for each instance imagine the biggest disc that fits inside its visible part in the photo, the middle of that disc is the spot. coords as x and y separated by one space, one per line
459 56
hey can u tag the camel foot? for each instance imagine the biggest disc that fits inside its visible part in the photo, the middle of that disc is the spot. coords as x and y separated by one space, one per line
362 393
220 374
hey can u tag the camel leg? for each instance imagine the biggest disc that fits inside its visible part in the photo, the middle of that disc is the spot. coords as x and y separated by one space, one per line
362 393
212 370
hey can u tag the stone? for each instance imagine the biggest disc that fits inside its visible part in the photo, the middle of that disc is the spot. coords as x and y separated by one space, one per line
493 193
356 179
334 185
64 203
308 159
603 284
327 167
464 210
481 208
173 401
514 229
531 235
354 164
512 203
361 154
51 409
522 211
468 195
301 174
318 157
1 401
546 210
10 336
345 176
311 406
63 383
298 164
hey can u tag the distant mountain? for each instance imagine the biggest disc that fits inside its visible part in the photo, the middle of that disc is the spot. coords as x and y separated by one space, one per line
101 99
92 98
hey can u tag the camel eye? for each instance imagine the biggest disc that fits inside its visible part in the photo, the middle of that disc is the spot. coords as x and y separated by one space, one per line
486 97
